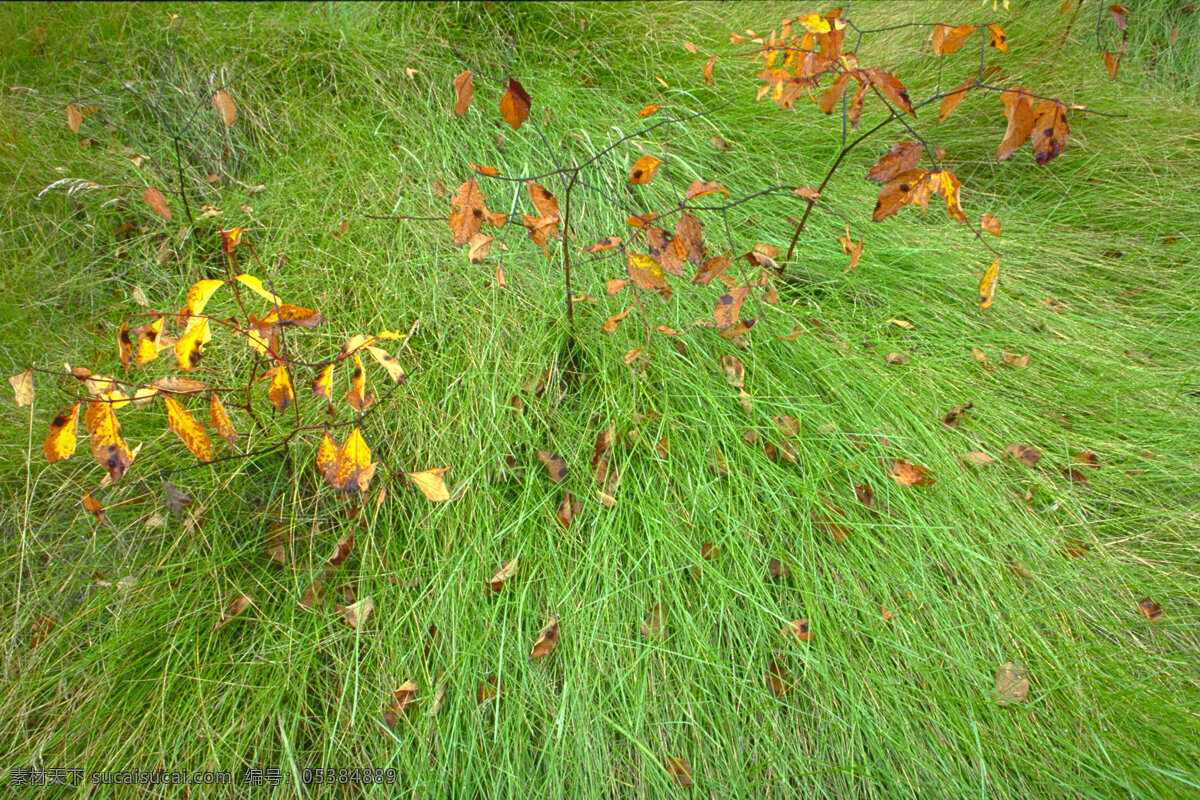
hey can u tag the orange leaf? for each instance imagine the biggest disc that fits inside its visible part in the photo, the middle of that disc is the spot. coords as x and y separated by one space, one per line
680 772
280 392
699 189
987 285
155 199
323 383
1050 130
610 324
1020 121
946 39
358 397
903 157
546 641
990 224
953 98
729 306
515 104
997 38
60 442
609 243
708 70
710 269
643 170
464 90
224 104
892 89
907 474
647 111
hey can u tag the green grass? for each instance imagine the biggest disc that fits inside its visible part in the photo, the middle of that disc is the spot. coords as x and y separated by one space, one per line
136 677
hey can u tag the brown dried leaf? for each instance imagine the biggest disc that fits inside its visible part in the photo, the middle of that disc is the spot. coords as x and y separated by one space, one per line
515 104
1012 685
546 641
464 90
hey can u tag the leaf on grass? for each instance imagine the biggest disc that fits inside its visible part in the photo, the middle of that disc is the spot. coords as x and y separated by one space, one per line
954 416
503 575
1014 360
643 170
108 448
189 430
157 201
341 551
1152 610
735 371
60 442
567 509
851 249
680 772
907 474
432 483
707 69
74 117
1012 685
515 104
897 359
652 626
546 641
225 105
990 224
556 466
234 609
647 111
22 384
797 628
987 285
1029 456
711 269
402 698
199 294
355 614
1112 64
777 678
610 324
464 90
93 506
700 188
469 211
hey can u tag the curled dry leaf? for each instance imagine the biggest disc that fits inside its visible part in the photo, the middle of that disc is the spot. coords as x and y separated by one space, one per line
707 69
954 416
990 224
402 698
1152 610
546 641
652 627
355 614
1020 121
93 506
610 324
1013 360
680 771
235 608
556 465
567 509
797 628
503 575
1029 456
710 269
907 474
1012 685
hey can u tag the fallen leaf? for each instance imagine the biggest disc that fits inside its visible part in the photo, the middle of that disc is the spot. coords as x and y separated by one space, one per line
235 608
610 325
155 199
1074 548
907 474
797 628
652 627
707 69
977 458
93 506
503 575
865 495
776 678
980 357
680 772
1029 456
729 306
556 466
778 571
898 359
1012 685
647 111
954 416
1150 609
1013 360
546 641
356 614
991 225
224 104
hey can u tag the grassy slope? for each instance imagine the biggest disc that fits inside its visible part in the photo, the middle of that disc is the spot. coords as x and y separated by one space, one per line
332 126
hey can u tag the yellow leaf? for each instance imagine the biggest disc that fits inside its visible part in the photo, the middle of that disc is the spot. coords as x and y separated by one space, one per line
256 286
143 396
280 392
357 397
388 362
987 284
323 384
432 483
815 23
147 342
354 467
188 348
220 420
199 294
188 429
60 443
327 454
643 170
108 448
